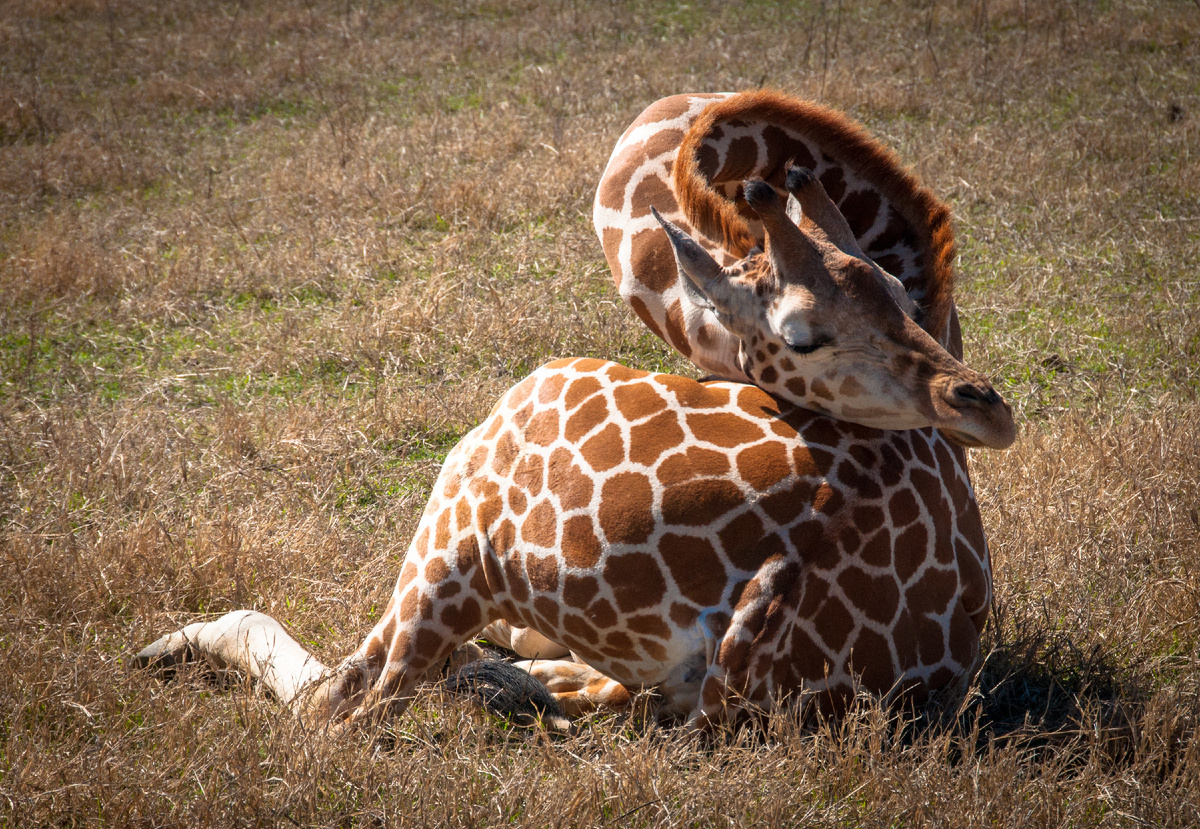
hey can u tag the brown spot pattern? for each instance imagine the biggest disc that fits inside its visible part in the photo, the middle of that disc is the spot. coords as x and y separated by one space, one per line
652 191
605 449
580 547
871 659
701 502
543 572
579 390
652 261
578 591
834 624
586 418
568 482
543 428
541 527
612 189
625 514
676 335
696 462
861 208
695 568
661 143
883 597
528 474
740 160
765 465
723 429
610 241
740 537
636 401
505 454
647 441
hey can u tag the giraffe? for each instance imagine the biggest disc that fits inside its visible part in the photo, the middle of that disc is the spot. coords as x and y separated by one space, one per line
731 548
687 155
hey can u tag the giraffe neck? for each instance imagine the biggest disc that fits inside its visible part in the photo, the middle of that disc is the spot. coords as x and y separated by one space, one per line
688 155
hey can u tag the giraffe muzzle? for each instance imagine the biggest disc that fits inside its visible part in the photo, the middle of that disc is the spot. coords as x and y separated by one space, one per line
981 417
973 394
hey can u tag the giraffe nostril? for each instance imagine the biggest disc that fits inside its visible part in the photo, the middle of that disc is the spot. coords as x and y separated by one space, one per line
970 394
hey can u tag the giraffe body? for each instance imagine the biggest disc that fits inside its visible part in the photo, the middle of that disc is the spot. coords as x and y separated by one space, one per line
700 538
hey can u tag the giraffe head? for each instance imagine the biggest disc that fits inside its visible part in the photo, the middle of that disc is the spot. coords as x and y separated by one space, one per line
821 325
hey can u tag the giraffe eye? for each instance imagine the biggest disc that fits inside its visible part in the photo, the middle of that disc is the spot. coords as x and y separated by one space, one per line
809 347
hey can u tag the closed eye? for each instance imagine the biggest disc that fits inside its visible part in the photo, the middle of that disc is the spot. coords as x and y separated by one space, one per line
809 347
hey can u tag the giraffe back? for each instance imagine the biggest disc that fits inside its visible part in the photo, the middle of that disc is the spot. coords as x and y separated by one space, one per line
688 155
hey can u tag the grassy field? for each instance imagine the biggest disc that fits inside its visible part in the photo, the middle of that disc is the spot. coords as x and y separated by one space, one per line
263 263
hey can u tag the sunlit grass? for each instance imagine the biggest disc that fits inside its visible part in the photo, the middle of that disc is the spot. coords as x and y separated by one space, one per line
261 265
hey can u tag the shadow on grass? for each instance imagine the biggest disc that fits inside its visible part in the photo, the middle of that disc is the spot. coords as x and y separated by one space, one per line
1052 696
1043 690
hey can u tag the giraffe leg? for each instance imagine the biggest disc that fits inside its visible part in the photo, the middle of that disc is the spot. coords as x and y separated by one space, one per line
716 705
524 642
418 631
246 641
578 688
257 645
380 678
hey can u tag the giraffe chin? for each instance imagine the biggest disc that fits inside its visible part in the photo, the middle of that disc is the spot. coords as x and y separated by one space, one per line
965 440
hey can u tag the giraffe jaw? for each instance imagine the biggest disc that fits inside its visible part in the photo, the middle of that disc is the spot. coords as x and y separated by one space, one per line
961 438
969 441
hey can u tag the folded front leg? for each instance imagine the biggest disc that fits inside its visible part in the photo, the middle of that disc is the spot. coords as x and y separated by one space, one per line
578 688
522 641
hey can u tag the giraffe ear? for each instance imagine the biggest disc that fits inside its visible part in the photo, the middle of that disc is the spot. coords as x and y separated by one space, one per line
699 273
693 292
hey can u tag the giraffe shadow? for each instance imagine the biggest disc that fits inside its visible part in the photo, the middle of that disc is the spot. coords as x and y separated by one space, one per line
1042 693
1060 696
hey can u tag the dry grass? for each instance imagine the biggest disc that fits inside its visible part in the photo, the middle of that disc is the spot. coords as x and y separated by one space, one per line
261 264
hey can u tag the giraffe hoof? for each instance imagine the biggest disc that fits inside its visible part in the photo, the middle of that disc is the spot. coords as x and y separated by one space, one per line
163 654
509 692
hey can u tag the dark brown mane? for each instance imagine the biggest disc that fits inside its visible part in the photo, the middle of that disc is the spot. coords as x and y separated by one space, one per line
717 217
